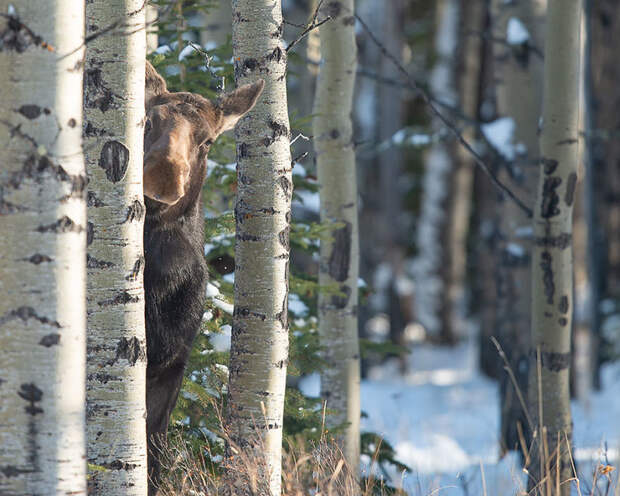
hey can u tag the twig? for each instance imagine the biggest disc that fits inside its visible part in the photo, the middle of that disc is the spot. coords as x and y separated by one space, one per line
312 25
426 98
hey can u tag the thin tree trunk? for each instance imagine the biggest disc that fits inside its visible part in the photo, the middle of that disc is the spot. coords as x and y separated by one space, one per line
552 264
113 132
519 85
430 287
43 245
333 141
259 352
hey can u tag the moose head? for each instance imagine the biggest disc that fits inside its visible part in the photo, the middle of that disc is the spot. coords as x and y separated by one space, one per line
179 129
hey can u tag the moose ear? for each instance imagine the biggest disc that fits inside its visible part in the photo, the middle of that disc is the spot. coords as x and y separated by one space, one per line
236 104
154 83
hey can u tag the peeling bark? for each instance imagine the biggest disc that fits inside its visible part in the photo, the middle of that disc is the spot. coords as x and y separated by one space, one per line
114 104
43 226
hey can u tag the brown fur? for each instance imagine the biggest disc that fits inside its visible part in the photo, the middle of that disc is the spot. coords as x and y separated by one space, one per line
179 129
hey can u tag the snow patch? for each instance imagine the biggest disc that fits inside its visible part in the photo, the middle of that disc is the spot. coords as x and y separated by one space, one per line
500 134
516 32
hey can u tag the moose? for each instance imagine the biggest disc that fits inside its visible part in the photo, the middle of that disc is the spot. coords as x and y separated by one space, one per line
179 129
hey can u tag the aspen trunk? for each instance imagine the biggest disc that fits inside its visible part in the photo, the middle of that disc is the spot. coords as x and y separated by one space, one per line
430 287
552 264
333 142
43 245
518 72
113 133
152 36
259 350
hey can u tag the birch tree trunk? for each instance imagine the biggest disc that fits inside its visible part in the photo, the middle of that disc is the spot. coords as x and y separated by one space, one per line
113 132
152 36
339 263
552 264
43 245
430 286
259 350
518 71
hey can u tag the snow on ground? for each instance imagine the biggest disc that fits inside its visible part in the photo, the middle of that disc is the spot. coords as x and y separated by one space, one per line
442 418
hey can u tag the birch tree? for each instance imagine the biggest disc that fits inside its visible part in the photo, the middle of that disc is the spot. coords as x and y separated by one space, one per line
113 133
518 71
339 262
259 350
43 241
552 274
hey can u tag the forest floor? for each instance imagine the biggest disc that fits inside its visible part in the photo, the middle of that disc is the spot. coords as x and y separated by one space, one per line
442 418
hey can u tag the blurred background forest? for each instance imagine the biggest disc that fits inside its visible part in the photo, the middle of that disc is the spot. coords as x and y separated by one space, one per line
445 256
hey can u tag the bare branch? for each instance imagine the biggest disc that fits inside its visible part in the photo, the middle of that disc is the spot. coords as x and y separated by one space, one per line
311 26
415 86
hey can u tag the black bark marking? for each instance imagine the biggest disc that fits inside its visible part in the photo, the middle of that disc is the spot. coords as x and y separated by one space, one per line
26 313
277 130
137 269
103 378
135 211
563 307
93 263
553 361
551 200
332 9
72 122
569 141
12 471
562 321
286 186
17 36
37 259
92 131
334 134
90 233
242 150
248 237
549 165
348 21
122 298
97 94
130 350
340 257
561 241
62 225
276 56
546 266
30 111
569 196
50 340
119 465
284 238
93 201
340 301
114 159
33 395
38 168
246 312
282 315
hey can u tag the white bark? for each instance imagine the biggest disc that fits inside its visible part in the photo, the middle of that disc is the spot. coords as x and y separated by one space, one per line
152 36
114 118
259 352
339 265
552 263
43 226
434 216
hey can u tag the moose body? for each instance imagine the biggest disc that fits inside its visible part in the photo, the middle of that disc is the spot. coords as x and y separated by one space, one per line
179 129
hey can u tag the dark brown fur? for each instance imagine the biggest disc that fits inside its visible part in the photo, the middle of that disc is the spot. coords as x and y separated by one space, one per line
179 129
